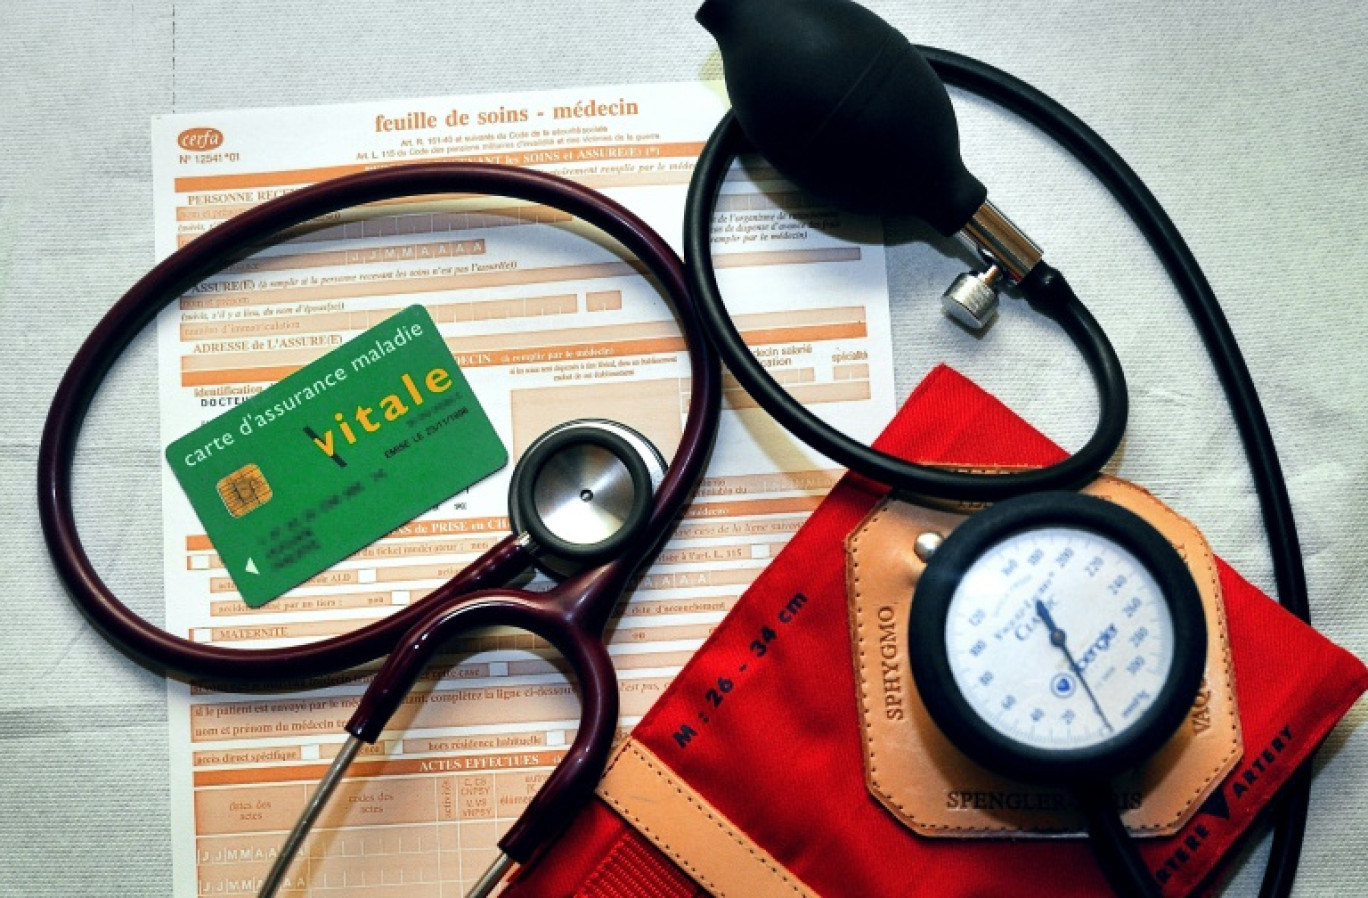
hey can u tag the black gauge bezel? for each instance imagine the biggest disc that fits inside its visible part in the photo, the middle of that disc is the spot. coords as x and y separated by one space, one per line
953 713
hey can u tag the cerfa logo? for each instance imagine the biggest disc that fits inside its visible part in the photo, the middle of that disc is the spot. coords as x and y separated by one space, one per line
200 140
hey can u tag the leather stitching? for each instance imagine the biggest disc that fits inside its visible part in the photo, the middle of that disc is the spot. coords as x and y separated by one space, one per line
719 823
871 759
1214 583
1155 511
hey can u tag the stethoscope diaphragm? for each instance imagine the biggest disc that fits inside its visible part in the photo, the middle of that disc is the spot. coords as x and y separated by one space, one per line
582 491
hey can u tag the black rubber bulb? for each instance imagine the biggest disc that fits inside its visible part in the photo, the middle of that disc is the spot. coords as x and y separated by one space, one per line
844 106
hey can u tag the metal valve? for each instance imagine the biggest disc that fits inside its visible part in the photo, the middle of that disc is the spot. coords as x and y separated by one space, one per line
972 299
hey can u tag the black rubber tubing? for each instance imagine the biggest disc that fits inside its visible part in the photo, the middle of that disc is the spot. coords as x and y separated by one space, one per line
1227 360
1045 289
1120 860
1182 267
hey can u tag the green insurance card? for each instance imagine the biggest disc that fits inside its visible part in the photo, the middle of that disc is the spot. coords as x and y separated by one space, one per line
336 455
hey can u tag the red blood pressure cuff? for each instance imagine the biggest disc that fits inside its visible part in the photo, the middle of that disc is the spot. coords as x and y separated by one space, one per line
758 741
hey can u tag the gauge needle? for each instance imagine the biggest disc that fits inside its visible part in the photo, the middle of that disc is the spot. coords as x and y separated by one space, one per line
1057 639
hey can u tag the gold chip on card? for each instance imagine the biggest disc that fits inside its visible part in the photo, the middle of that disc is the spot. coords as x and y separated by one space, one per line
244 490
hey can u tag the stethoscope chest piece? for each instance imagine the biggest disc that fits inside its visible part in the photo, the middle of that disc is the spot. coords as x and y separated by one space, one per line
582 492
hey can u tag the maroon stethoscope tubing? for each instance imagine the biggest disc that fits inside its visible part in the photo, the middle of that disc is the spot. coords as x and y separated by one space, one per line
571 616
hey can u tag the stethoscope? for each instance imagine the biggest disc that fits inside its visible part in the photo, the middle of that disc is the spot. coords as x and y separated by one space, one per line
902 89
580 496
591 500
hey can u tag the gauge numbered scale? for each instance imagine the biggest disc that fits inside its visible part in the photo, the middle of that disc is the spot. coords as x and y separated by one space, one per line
1057 638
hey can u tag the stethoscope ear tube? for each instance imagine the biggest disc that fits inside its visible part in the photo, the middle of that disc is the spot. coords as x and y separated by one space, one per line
250 230
571 616
568 786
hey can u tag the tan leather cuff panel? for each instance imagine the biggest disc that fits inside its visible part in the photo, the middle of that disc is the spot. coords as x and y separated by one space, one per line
925 782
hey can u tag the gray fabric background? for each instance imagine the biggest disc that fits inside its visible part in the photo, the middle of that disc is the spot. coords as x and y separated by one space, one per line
1246 118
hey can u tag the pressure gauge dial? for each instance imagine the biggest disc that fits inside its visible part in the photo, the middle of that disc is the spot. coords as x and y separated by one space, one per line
1057 637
